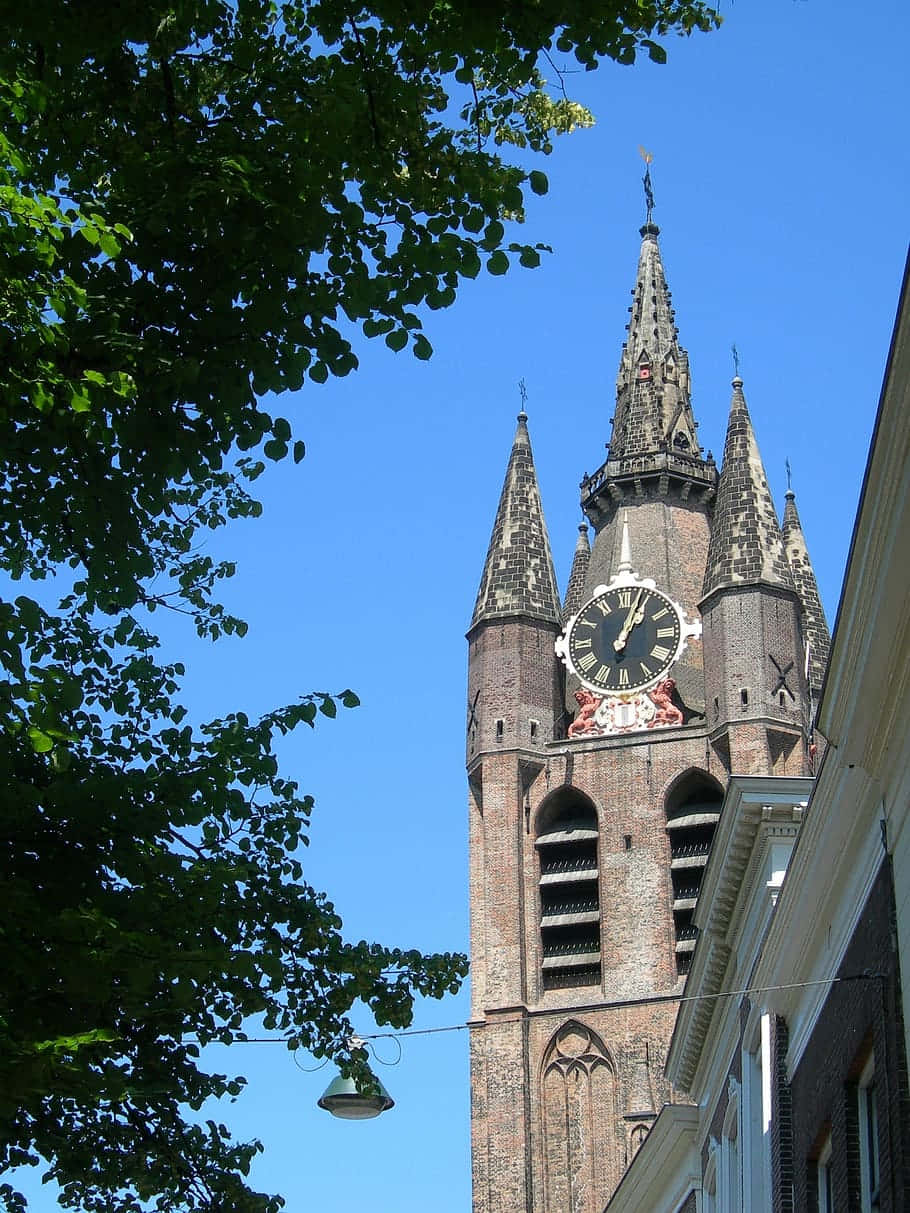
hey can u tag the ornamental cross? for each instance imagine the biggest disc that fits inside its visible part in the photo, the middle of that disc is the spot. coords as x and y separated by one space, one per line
782 672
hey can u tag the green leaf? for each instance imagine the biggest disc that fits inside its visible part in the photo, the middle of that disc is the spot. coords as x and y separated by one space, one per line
538 182
470 262
498 263
110 246
275 449
494 234
299 450
41 742
397 340
422 348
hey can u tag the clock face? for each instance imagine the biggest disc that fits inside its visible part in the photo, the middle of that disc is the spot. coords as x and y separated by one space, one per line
624 639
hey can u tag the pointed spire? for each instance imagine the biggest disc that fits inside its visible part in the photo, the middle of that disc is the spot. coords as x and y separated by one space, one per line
818 638
653 409
580 561
518 576
746 541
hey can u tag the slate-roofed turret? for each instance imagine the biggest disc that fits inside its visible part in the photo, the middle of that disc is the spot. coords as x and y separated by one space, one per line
815 626
747 546
753 645
580 561
653 410
518 577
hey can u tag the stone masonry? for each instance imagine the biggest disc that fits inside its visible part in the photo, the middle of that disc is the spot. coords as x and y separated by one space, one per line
585 853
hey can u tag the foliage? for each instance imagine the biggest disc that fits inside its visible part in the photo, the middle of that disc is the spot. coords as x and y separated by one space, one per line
202 203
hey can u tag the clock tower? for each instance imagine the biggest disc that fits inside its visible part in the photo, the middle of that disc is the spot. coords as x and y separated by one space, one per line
601 737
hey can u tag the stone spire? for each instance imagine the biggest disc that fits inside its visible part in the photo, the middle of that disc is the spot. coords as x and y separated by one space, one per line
580 561
653 410
518 576
746 546
815 626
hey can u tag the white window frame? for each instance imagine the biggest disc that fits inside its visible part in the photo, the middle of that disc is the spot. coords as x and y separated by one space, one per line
709 1182
756 1118
730 1184
867 1118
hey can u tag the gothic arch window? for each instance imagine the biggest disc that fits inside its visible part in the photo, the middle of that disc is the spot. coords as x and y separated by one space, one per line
566 842
636 1139
693 808
578 1100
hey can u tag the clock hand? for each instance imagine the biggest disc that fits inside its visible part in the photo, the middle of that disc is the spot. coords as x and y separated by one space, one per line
634 616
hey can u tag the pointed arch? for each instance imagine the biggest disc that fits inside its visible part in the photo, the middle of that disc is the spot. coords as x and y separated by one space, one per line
579 1112
688 784
566 838
563 807
692 804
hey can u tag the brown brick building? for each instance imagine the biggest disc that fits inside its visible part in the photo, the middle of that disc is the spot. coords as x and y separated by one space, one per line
690 645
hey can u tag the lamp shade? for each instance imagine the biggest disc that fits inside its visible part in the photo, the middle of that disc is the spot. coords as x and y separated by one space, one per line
343 1099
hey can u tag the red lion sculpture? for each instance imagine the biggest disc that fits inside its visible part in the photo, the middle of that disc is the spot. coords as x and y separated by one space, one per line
584 722
662 698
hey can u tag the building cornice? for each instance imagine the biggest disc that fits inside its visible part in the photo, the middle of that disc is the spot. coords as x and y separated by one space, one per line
865 774
732 909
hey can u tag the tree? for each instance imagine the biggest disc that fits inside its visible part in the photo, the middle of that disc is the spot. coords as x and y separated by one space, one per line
202 204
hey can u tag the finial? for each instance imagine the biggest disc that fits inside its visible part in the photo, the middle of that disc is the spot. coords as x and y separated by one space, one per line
735 360
789 478
625 549
646 182
523 393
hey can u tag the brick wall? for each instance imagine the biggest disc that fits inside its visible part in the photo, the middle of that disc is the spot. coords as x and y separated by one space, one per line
858 1016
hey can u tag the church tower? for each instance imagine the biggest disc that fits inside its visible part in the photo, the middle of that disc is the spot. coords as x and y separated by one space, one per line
601 736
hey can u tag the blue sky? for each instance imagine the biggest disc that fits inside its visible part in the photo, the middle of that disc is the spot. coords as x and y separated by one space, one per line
781 176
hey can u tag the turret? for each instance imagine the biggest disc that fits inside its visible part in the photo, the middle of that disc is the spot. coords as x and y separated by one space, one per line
513 678
816 636
756 696
580 561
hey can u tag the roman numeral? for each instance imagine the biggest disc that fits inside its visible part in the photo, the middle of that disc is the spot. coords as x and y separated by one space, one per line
602 675
587 623
660 614
604 607
583 644
647 673
665 631
587 661
625 598
660 652
623 678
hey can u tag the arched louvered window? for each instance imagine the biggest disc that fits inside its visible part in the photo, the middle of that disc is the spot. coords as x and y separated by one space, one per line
693 809
579 1101
569 900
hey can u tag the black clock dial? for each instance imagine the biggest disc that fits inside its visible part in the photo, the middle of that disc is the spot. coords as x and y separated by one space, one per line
624 639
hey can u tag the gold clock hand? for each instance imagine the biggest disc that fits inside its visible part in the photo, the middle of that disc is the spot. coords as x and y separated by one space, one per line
632 618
